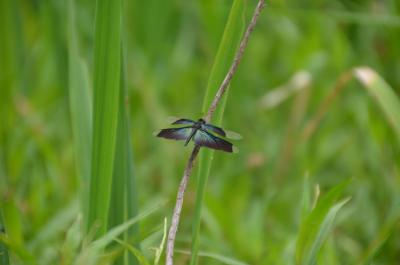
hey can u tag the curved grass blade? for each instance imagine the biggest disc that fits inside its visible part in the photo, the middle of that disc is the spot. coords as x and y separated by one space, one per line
106 86
113 233
123 204
160 248
94 250
386 98
135 251
380 91
218 257
80 105
386 230
317 225
226 52
56 226
300 80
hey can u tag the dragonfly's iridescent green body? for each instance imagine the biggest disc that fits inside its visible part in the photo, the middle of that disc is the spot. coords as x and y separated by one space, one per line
202 133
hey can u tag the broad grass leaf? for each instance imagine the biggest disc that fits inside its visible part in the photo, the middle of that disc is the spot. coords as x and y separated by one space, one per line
106 87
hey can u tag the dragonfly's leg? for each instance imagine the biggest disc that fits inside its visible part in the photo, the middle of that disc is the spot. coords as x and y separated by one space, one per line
191 136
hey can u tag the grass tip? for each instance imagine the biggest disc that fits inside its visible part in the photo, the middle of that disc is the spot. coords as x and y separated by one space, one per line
365 74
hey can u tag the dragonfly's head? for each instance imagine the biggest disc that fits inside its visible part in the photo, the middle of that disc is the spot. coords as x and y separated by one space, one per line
201 121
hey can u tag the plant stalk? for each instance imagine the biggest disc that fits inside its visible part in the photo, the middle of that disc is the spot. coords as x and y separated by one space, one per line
188 169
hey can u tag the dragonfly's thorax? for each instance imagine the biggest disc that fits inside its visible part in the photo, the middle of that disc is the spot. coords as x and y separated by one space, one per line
199 124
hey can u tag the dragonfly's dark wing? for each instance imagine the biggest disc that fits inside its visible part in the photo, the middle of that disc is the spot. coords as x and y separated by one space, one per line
222 132
215 129
175 133
203 138
184 121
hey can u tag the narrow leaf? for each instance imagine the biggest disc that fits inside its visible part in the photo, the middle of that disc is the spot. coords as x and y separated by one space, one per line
80 108
3 248
226 52
116 231
123 196
136 252
386 98
317 225
107 63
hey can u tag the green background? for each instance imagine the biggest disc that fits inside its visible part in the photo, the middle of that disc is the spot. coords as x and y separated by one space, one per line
254 204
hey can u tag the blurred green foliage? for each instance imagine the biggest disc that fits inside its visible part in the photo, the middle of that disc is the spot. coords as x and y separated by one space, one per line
255 200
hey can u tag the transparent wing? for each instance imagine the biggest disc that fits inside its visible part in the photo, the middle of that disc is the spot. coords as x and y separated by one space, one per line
233 135
175 133
203 138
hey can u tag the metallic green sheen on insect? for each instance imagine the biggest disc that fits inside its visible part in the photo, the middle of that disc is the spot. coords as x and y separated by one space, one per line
202 133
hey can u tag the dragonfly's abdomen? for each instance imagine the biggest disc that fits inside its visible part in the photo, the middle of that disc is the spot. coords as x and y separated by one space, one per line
194 130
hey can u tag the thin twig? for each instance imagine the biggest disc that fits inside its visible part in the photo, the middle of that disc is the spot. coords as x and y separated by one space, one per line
188 170
178 206
236 61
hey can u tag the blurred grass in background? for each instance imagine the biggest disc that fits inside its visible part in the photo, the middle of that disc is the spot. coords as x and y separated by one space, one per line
257 202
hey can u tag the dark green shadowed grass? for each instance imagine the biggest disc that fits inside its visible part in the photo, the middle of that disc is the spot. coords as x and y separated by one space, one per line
4 259
223 60
106 86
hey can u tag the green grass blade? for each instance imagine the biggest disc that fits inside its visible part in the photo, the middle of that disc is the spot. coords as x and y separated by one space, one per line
8 66
226 52
73 240
113 233
386 230
123 195
4 259
386 98
80 108
306 198
220 258
107 62
12 221
136 252
315 228
94 251
159 250
10 83
55 226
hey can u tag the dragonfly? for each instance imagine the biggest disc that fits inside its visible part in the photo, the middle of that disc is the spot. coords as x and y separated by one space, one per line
202 133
